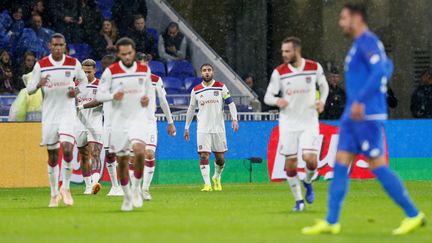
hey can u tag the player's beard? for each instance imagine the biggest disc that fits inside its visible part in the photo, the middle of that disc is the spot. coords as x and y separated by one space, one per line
207 79
293 60
127 65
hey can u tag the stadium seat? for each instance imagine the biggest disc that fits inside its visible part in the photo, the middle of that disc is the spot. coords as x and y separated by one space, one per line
180 69
171 83
157 68
154 33
191 82
105 7
80 51
5 20
98 69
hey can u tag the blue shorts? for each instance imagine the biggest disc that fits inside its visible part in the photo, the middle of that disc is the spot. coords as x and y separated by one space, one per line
364 137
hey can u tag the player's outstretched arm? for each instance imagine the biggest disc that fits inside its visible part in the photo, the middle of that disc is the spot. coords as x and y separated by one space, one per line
37 80
189 115
163 102
104 90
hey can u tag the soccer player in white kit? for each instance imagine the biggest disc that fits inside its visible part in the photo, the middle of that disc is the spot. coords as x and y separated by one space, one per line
297 79
57 75
210 96
89 130
127 84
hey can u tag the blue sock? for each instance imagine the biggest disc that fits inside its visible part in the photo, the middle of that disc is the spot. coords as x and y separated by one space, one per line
337 191
396 190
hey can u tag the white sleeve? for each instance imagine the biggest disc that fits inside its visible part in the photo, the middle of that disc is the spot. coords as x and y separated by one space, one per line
104 90
163 101
191 110
36 77
273 89
148 86
80 76
322 84
229 101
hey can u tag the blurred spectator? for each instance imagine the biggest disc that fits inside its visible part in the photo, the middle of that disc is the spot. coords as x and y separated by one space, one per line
67 19
92 19
17 19
172 43
123 12
41 32
249 79
5 61
27 64
336 99
144 41
23 4
104 43
421 99
107 61
38 7
9 83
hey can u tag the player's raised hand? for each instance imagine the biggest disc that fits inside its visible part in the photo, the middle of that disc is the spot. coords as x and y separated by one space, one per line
171 130
73 92
186 134
357 111
43 81
118 96
282 103
319 105
145 101
235 125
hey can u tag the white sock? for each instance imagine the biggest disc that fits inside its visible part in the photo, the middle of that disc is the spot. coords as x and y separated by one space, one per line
148 177
309 175
95 178
136 183
294 183
218 171
87 181
205 172
53 175
67 175
112 171
127 191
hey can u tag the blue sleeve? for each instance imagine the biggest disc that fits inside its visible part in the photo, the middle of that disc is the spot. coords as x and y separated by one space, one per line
377 63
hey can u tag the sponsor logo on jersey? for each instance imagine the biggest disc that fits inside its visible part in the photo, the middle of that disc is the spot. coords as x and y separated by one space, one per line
308 79
297 91
204 102
68 74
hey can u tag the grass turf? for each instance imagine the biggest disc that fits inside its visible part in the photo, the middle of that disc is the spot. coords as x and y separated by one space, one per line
241 213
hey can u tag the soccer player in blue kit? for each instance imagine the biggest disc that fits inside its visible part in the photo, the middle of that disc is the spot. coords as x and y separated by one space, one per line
367 71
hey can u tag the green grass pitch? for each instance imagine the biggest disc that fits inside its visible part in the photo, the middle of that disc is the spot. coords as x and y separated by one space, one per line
181 213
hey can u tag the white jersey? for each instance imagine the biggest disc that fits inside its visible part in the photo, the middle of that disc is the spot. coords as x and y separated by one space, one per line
89 119
210 100
298 87
161 95
135 83
57 106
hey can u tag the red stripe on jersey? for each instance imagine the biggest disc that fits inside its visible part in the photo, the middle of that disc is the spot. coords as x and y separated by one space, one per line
45 62
310 66
141 68
155 78
115 68
283 69
69 61
218 84
198 87
95 82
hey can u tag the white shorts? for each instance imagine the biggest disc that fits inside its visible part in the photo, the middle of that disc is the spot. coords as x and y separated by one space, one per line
53 134
212 142
85 137
291 141
106 136
151 139
121 140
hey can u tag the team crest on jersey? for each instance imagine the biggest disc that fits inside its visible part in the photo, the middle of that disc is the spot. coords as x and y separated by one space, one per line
94 91
141 81
67 74
308 80
216 93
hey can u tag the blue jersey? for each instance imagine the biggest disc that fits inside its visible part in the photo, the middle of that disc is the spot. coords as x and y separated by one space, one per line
367 71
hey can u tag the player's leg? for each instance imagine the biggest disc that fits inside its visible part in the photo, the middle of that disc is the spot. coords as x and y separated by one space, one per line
67 148
204 150
96 165
139 152
111 164
149 168
309 144
219 166
85 168
53 174
123 161
131 168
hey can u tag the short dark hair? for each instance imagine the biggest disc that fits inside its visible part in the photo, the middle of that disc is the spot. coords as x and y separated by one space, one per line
206 65
57 36
292 39
138 16
357 8
125 41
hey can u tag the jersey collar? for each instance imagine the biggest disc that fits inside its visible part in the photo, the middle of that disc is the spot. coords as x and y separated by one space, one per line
54 62
299 69
128 70
208 86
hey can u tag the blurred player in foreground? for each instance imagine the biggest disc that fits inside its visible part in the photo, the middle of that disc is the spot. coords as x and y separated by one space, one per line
127 84
297 79
367 71
210 96
57 75
89 130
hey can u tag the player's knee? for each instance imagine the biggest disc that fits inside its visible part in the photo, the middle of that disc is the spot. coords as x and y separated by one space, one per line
220 161
111 157
204 156
149 154
52 162
311 161
291 172
150 163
